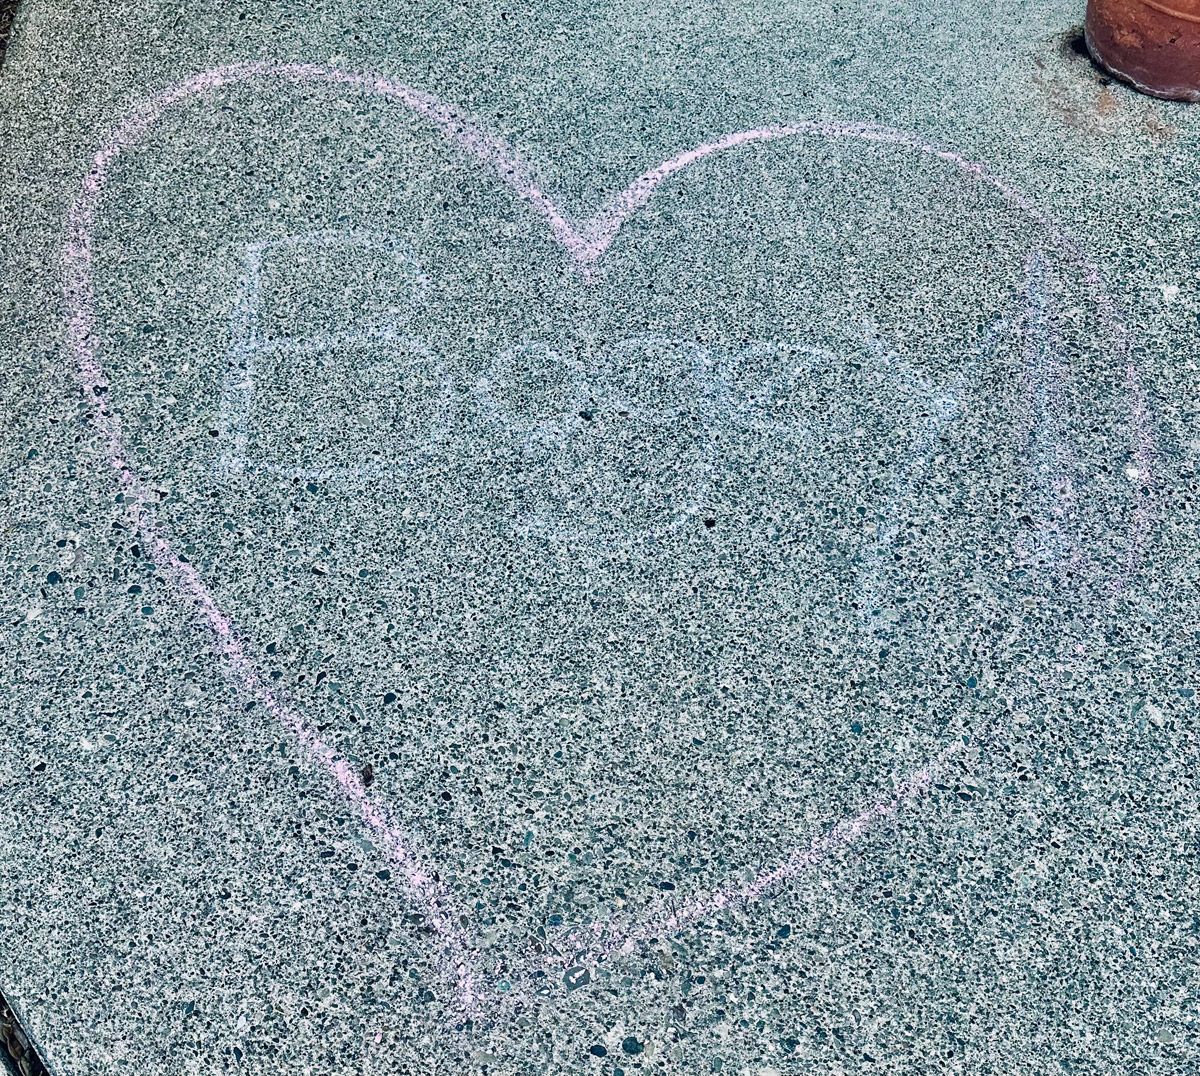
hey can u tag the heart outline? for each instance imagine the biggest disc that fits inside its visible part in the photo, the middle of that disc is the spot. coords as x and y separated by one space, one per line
585 242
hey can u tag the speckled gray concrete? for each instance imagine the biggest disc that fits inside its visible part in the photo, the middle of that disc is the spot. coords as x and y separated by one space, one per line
627 579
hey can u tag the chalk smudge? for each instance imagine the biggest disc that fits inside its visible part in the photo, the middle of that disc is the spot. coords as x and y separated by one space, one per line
1050 459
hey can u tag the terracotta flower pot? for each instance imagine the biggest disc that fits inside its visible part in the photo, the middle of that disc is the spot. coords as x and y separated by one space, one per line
1152 44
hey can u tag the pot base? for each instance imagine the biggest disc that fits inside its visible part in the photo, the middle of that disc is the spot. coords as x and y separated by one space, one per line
1153 45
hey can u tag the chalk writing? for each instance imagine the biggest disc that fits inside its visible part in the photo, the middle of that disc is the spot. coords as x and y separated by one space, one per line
407 393
585 243
937 409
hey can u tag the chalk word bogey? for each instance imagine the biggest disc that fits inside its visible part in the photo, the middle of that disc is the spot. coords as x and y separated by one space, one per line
584 243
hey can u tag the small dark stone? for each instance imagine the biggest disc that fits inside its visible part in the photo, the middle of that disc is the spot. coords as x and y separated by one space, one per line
598 1051
576 977
368 775
631 1046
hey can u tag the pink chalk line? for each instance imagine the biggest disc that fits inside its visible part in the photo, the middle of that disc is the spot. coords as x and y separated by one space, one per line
585 243
607 942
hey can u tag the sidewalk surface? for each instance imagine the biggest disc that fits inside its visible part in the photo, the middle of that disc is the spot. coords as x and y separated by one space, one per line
596 539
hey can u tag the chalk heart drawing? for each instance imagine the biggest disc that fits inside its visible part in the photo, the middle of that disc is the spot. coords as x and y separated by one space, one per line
584 243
